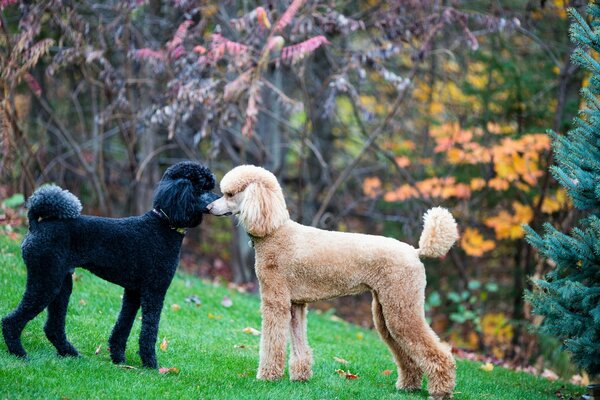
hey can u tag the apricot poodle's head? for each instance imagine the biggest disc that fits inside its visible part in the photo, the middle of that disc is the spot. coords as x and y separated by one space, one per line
254 195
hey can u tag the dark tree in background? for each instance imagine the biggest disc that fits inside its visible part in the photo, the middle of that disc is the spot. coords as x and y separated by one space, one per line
569 295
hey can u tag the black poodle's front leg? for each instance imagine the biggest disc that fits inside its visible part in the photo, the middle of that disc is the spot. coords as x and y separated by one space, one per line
122 329
151 307
55 323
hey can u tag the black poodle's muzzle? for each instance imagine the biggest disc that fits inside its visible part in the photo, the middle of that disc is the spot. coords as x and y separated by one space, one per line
205 199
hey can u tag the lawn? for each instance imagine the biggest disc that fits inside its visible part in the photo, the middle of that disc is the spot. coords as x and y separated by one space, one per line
215 358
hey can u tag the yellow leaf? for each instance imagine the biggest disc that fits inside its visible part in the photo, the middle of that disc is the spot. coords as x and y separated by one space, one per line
477 184
473 243
175 307
488 367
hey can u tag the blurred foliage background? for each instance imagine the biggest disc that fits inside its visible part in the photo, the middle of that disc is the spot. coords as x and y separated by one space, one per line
369 112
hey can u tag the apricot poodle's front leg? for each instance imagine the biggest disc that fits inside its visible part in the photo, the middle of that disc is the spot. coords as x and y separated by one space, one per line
275 323
301 355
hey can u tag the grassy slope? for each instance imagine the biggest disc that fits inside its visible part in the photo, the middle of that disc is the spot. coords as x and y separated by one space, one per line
204 349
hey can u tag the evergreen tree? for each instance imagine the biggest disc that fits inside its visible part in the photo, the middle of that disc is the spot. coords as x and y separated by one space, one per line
569 296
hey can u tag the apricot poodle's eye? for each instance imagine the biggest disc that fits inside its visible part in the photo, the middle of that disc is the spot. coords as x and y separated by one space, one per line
228 194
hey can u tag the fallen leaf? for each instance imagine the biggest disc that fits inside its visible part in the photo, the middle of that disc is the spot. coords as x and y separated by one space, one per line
175 307
226 302
194 300
341 360
346 374
98 349
251 331
213 316
488 367
82 302
239 346
126 366
386 372
360 336
171 370
549 374
164 344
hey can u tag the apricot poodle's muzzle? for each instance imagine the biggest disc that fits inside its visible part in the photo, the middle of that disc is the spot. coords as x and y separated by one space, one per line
206 199
218 208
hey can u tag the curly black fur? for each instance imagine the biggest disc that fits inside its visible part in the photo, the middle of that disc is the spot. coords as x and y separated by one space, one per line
138 253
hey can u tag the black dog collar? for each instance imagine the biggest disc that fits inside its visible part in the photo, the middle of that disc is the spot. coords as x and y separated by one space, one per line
163 216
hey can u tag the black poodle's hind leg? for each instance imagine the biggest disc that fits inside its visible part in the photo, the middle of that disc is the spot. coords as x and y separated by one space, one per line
39 292
55 323
151 307
122 329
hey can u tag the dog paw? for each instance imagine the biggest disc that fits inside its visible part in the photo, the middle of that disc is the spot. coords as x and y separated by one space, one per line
269 375
151 364
300 370
440 396
68 352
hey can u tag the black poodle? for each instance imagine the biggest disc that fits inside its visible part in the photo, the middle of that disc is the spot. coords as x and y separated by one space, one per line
138 253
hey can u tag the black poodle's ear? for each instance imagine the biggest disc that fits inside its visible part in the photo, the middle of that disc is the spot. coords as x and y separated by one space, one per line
178 201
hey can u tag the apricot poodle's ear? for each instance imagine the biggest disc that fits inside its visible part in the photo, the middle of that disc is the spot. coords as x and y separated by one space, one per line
263 209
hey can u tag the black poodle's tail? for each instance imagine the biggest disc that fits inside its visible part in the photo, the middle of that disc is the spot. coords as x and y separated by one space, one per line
51 201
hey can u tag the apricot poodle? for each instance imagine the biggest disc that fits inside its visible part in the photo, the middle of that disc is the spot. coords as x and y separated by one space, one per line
298 264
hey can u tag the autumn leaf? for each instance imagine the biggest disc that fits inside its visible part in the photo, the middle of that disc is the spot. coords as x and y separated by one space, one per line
82 302
386 372
360 335
213 316
175 307
126 366
251 331
341 360
346 374
226 302
372 186
98 349
171 370
488 367
474 244
164 344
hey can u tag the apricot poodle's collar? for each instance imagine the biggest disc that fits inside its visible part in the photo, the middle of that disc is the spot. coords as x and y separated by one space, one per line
164 217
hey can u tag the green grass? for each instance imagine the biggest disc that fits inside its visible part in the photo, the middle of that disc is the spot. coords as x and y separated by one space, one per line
208 354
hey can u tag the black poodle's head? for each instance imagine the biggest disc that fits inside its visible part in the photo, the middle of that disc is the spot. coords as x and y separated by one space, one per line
184 192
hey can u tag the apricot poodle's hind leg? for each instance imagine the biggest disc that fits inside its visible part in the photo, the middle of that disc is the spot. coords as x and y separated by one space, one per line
301 354
275 323
55 323
409 373
408 327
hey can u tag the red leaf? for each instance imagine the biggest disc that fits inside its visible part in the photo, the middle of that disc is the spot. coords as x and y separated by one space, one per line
287 16
145 53
300 50
33 84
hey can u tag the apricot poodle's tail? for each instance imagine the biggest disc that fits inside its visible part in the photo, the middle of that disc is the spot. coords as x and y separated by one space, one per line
50 201
440 232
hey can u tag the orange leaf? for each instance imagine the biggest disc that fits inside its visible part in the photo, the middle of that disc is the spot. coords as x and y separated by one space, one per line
386 372
251 331
171 370
164 344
